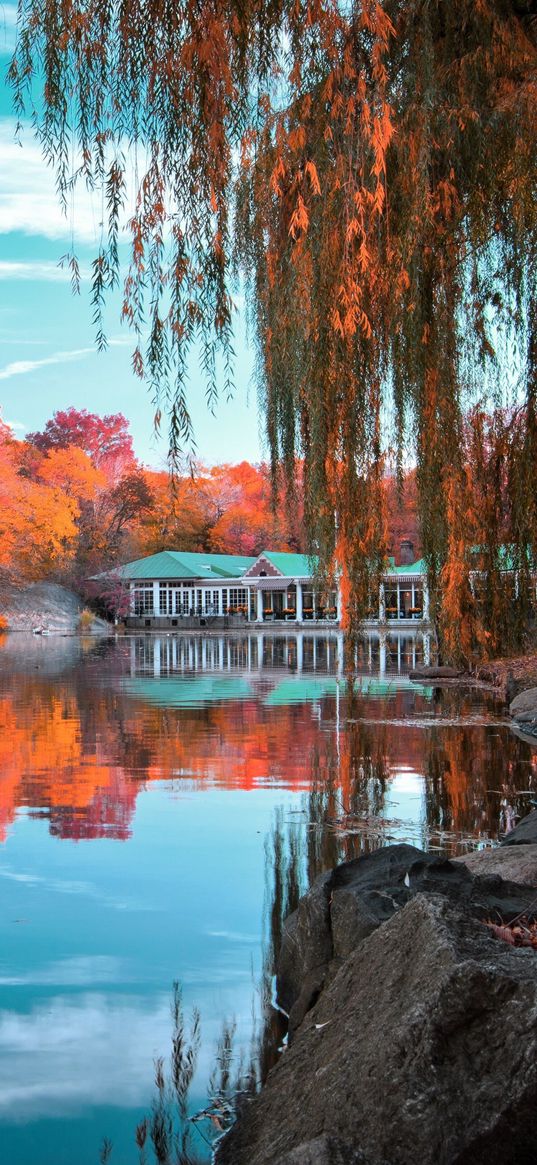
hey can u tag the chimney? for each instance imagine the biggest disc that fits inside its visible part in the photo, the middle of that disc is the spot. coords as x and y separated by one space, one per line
406 552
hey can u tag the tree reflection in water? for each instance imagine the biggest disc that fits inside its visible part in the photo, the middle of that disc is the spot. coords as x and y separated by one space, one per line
85 733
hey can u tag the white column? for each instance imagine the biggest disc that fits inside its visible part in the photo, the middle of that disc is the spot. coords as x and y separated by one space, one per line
426 650
299 652
382 603
260 605
340 652
249 602
156 657
221 653
220 600
382 646
425 599
156 598
131 598
299 603
339 603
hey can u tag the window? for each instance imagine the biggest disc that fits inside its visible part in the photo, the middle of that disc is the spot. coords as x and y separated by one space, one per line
143 600
238 601
210 602
166 598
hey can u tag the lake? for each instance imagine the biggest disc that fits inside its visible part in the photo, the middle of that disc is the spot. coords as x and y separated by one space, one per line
163 800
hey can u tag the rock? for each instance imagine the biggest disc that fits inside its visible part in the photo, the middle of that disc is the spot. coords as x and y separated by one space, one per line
524 707
436 673
421 1050
45 606
323 1151
347 904
307 943
525 833
517 863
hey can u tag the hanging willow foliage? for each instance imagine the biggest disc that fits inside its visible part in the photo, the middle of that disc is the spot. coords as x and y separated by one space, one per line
366 169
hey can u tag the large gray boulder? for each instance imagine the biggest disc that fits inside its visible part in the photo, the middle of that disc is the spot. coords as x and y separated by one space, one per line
324 1150
524 706
46 607
525 833
347 904
523 710
422 1050
516 863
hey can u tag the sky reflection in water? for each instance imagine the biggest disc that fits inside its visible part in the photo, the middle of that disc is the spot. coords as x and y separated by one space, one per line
138 785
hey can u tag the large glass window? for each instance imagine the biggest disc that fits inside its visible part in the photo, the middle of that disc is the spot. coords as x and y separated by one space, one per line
143 600
238 601
307 604
211 602
391 603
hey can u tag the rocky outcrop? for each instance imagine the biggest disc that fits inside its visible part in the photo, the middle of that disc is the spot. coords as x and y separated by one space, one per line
323 1150
517 863
45 607
421 1049
523 710
525 833
347 904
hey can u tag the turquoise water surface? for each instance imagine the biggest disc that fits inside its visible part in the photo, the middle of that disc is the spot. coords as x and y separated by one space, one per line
140 783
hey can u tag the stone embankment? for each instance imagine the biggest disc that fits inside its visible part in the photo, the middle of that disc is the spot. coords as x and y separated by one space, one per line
413 1027
46 607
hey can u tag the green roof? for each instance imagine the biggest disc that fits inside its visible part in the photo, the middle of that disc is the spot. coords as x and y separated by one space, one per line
188 691
291 565
304 688
214 688
418 567
184 564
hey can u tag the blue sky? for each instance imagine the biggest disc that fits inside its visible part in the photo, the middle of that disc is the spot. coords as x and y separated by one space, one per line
48 360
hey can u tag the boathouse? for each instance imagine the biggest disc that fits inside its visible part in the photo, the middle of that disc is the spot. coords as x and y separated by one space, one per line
179 588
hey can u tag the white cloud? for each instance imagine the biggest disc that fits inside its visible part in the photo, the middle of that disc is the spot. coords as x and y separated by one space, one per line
28 199
99 1048
81 971
8 27
10 269
21 367
17 426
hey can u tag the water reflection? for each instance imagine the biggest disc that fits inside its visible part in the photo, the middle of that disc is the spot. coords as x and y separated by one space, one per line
170 755
77 746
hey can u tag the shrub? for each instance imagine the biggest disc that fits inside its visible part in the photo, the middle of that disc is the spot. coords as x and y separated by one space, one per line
85 620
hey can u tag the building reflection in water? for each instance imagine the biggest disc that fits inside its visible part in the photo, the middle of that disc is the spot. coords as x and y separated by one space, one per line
164 655
253 711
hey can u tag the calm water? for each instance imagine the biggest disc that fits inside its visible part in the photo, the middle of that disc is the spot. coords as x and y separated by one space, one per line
144 786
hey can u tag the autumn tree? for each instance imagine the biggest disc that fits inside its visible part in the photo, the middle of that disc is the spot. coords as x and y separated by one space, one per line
38 520
105 440
92 458
368 170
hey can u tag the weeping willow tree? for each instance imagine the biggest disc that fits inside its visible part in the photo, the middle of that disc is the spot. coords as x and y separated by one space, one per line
365 170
